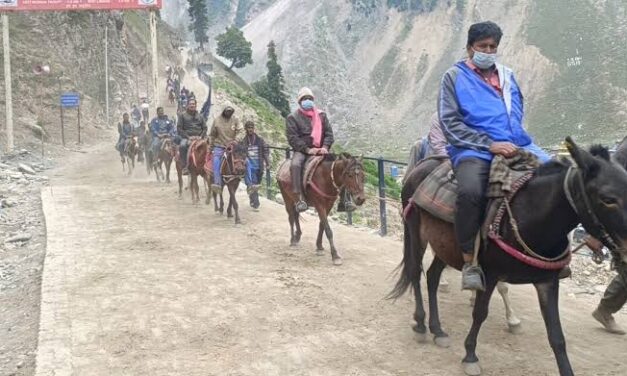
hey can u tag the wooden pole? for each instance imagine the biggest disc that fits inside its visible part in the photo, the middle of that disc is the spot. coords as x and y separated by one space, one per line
79 124
7 81
155 59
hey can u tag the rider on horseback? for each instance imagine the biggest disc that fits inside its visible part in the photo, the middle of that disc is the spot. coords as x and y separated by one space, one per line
481 112
190 124
125 130
226 129
160 128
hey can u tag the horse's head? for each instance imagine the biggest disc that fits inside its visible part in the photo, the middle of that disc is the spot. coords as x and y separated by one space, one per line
237 155
353 177
599 194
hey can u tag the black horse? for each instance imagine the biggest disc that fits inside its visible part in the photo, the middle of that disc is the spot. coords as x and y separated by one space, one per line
561 195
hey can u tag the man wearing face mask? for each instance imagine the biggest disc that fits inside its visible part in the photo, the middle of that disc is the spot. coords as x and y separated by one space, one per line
189 124
226 129
308 133
481 112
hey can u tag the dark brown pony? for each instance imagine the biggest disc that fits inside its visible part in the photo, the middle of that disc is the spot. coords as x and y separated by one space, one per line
594 192
130 152
333 174
232 170
198 150
165 156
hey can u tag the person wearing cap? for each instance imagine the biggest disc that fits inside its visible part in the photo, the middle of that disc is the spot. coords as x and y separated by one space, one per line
225 130
308 133
189 124
257 159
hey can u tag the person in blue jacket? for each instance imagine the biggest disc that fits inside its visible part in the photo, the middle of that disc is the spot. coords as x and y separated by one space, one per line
160 127
481 110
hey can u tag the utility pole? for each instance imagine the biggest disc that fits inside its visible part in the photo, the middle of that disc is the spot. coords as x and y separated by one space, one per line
155 58
7 81
107 75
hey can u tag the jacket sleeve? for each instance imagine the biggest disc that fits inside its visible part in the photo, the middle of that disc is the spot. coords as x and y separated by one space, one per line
239 131
456 132
179 127
265 153
213 134
328 138
293 138
437 140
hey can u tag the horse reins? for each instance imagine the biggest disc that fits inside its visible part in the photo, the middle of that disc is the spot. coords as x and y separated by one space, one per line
229 178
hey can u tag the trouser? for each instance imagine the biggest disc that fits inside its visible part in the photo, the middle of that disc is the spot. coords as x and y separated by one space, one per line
296 170
119 146
218 153
155 147
252 176
616 293
183 147
472 183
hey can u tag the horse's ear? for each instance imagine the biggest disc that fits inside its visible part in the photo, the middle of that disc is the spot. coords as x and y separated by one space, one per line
585 161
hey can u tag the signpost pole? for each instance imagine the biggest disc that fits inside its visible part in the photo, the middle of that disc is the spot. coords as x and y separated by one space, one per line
107 74
7 81
155 60
79 124
62 127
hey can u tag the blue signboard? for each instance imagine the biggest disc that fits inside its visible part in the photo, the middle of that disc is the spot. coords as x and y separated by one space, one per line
70 100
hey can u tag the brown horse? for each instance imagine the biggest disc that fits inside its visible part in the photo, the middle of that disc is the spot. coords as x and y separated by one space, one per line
165 156
592 192
232 170
333 174
198 150
130 152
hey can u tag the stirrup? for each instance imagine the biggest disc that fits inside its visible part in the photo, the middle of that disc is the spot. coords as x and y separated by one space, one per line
301 206
473 278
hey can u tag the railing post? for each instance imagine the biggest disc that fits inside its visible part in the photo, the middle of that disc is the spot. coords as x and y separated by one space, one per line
349 218
268 184
287 153
382 209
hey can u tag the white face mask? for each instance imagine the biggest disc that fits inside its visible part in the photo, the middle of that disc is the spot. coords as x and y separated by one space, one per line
483 60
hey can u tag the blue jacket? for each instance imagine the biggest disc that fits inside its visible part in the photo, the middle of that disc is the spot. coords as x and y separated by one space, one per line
162 126
474 115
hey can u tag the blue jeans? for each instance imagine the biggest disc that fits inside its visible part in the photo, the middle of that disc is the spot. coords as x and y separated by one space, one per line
156 147
252 172
218 153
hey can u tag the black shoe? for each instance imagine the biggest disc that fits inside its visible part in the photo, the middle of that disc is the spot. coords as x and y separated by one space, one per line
301 206
185 171
565 273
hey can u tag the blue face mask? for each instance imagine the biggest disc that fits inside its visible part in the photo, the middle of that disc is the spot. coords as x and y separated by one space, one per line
307 104
483 60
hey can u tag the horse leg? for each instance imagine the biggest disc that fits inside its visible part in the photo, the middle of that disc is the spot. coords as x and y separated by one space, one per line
229 208
548 295
434 273
479 314
319 246
221 209
207 190
414 244
179 175
513 322
232 190
335 255
168 165
291 214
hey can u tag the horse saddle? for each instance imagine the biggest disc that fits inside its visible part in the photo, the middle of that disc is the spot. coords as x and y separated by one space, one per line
437 194
193 147
284 175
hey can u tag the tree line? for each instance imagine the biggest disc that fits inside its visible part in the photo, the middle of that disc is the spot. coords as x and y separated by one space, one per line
233 46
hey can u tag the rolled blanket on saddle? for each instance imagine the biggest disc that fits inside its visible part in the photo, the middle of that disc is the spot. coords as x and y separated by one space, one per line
437 193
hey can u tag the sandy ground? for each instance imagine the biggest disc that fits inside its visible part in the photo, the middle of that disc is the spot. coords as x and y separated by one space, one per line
137 282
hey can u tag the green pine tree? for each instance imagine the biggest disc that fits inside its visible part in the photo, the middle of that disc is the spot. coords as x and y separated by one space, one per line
272 86
200 21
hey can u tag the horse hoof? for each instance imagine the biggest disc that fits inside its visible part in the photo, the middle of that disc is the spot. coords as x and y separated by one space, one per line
442 341
320 252
421 337
238 222
229 215
514 328
472 369
338 261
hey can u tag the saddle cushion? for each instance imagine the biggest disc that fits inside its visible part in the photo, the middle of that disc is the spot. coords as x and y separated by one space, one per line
437 194
311 164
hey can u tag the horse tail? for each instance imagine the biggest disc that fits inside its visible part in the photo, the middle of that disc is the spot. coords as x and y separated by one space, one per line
411 266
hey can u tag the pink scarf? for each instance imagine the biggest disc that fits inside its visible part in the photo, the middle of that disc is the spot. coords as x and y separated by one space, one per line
316 125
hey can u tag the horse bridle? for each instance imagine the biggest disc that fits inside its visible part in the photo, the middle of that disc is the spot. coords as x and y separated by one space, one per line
339 188
580 202
231 165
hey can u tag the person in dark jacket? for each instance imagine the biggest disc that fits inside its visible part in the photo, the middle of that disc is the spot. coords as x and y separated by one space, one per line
308 133
160 127
125 130
189 124
256 162
481 113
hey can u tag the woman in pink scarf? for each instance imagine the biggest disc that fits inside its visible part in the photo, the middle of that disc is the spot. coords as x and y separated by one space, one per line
308 133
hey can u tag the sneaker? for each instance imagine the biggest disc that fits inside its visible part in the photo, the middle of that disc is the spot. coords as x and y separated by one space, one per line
216 188
472 278
565 273
301 206
185 171
349 206
607 321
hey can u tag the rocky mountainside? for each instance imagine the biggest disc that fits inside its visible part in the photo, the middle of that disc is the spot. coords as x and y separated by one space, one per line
376 64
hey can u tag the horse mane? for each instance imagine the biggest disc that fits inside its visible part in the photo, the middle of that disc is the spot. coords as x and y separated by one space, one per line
554 166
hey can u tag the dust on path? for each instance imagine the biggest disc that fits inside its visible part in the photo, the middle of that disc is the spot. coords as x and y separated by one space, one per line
137 282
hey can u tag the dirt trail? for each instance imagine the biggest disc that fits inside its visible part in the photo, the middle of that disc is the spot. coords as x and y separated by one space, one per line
137 282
